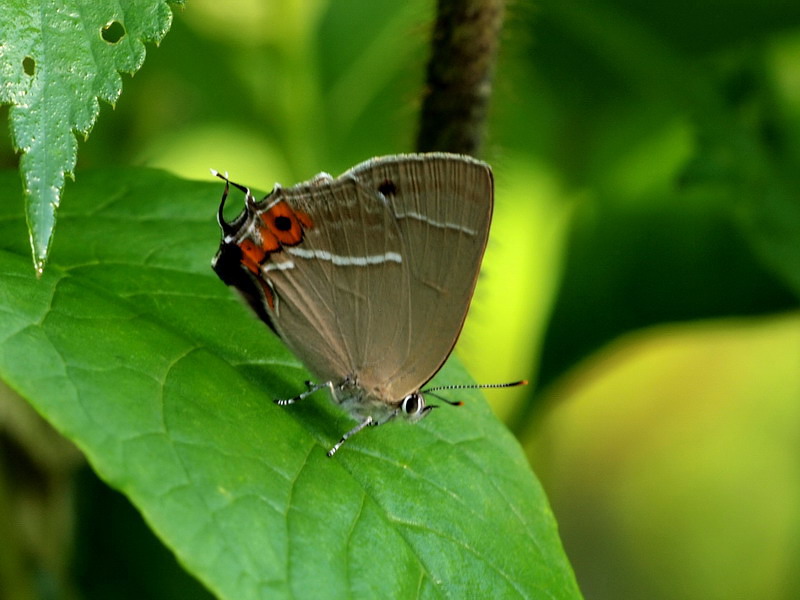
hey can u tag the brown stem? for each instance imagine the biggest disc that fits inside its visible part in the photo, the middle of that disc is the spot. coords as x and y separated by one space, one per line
458 85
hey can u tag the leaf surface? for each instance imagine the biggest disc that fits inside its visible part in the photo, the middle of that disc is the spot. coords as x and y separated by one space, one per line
132 348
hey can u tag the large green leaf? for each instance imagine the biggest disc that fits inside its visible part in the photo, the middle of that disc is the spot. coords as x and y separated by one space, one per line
132 348
57 59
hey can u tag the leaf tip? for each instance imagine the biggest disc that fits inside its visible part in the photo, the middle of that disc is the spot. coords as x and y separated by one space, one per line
39 253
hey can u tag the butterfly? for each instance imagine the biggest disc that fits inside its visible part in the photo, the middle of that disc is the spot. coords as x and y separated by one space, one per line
366 277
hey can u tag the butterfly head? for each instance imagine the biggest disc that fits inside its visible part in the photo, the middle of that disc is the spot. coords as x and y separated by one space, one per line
240 251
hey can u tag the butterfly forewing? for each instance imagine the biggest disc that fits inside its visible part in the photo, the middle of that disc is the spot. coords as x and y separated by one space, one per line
370 275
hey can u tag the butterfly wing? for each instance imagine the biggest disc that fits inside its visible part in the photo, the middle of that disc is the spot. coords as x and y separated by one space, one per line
333 305
370 274
442 207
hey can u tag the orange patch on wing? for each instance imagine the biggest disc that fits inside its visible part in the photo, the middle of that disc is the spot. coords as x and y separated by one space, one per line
269 243
285 224
304 219
252 255
268 295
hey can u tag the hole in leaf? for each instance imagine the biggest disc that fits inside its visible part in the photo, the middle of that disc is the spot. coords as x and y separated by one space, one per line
29 65
113 32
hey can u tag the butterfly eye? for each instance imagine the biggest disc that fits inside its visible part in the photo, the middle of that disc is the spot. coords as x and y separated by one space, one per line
413 404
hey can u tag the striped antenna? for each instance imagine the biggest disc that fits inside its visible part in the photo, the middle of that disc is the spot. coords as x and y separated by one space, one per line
470 386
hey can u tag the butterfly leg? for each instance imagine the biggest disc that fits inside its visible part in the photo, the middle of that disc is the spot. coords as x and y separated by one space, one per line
310 389
366 422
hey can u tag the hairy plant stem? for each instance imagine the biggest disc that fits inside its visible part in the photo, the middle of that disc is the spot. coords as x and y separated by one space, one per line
459 76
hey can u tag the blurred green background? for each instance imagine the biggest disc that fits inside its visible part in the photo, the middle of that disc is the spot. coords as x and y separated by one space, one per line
643 270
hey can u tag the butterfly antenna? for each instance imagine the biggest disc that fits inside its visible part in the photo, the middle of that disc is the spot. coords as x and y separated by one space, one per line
224 177
470 386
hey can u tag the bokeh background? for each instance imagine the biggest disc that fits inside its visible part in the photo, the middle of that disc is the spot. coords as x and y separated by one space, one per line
643 270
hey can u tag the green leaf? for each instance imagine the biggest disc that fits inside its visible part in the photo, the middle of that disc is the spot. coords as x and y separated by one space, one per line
57 58
132 348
